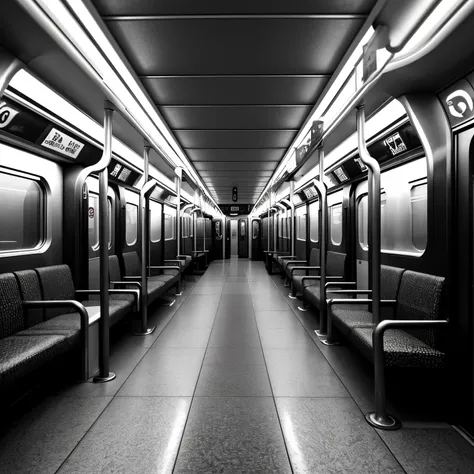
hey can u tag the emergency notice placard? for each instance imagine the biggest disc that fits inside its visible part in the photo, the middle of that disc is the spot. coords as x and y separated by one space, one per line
63 143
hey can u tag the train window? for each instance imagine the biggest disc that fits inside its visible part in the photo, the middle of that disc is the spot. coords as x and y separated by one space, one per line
22 213
191 226
280 226
336 224
131 223
169 227
255 229
419 215
93 220
404 210
242 228
265 228
155 221
362 221
301 228
111 227
314 221
185 227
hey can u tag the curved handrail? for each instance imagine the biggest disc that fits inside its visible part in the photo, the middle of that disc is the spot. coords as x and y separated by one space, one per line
374 212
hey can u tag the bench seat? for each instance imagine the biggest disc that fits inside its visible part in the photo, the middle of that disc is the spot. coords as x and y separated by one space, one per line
22 355
401 349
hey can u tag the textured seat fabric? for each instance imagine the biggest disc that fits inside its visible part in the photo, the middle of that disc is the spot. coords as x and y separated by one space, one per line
56 284
168 279
312 294
312 262
401 349
297 282
11 307
132 264
22 355
30 290
156 288
346 317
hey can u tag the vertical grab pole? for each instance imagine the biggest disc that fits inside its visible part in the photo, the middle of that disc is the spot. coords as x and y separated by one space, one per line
178 179
145 244
292 229
9 66
146 215
380 418
374 213
104 374
322 191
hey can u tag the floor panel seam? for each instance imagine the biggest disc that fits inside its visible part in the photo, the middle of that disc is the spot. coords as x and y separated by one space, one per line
271 388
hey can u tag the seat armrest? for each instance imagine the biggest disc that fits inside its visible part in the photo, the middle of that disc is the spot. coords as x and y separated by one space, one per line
341 283
130 277
401 323
353 292
182 256
131 283
175 261
84 316
302 267
333 301
295 261
136 294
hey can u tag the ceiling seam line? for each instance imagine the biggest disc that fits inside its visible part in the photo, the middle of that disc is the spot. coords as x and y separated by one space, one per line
340 16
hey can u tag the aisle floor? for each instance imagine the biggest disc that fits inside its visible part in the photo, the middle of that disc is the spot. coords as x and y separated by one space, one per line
233 380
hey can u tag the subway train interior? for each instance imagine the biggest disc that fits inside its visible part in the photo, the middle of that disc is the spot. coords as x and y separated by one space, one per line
237 236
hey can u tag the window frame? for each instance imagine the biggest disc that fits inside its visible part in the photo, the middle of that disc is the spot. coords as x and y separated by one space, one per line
45 229
127 204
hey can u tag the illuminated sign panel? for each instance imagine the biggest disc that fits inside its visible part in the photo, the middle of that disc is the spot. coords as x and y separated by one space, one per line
341 175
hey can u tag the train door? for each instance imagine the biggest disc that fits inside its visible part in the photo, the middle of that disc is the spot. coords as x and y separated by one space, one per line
227 238
243 239
234 241
218 238
256 252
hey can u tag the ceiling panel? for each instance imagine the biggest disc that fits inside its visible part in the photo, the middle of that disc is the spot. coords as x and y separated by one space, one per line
235 90
235 139
270 46
235 166
238 117
193 7
226 154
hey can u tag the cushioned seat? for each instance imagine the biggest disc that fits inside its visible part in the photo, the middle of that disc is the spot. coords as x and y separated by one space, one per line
348 316
168 279
297 282
118 308
155 289
401 349
20 356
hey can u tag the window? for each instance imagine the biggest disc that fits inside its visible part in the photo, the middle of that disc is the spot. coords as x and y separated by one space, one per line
336 224
191 226
155 221
280 226
93 219
169 227
362 221
255 229
111 220
404 211
218 230
185 227
131 223
314 221
301 227
242 228
419 215
21 213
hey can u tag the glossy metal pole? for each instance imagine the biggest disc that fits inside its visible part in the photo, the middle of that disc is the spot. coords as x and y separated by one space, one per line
374 213
9 66
145 241
322 192
104 374
293 220
178 179
146 215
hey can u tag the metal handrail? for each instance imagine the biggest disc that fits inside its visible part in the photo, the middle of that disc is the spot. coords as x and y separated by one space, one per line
374 213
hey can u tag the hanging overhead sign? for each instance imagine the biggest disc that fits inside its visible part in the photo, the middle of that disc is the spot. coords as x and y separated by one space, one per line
62 143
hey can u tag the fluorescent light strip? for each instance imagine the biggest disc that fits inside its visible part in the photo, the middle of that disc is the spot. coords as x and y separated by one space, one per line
138 106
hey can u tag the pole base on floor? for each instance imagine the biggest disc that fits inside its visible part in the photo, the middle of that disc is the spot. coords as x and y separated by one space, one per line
146 333
319 333
166 301
387 422
329 343
302 308
178 294
291 296
98 379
